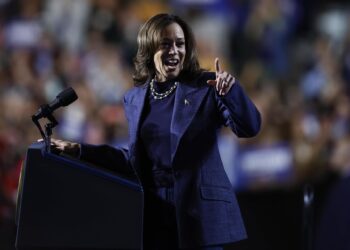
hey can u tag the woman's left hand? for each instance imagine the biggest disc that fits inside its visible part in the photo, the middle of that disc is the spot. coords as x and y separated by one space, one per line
223 81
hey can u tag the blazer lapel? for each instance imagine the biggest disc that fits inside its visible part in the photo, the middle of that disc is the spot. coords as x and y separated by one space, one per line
135 108
187 101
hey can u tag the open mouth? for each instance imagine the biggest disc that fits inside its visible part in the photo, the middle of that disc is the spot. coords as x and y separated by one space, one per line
171 63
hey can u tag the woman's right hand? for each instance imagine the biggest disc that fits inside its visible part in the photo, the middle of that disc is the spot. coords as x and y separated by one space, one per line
65 147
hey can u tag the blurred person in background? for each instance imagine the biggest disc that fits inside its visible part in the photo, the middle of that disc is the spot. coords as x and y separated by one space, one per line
175 112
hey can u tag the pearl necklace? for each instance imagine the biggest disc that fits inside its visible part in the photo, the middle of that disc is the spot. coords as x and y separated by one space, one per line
159 96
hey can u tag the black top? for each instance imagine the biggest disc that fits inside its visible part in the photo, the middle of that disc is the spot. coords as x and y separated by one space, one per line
155 130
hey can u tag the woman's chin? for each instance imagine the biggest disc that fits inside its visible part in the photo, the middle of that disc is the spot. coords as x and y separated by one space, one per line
172 74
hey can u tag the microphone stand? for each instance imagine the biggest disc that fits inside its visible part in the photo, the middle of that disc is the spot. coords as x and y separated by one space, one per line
48 131
48 127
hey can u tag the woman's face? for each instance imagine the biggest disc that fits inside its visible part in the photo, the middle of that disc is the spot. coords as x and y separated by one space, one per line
170 55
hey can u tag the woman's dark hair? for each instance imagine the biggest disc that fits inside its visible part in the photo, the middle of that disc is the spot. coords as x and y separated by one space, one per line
148 41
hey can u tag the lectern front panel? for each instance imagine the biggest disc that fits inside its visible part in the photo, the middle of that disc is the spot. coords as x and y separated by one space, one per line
67 204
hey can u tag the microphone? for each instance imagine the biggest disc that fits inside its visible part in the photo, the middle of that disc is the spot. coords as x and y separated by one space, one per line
63 99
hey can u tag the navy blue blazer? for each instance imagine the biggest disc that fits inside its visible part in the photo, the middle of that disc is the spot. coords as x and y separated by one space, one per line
206 206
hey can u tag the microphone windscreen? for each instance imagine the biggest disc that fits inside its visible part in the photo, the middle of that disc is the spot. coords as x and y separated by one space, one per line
67 96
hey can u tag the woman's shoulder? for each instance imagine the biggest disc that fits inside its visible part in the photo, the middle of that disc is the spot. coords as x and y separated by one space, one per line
206 75
202 78
132 92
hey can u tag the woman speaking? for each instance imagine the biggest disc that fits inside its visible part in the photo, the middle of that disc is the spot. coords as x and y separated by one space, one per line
174 113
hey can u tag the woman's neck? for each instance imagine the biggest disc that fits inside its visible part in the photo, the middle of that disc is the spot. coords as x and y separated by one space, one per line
159 79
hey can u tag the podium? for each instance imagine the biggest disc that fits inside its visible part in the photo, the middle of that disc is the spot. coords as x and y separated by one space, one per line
65 203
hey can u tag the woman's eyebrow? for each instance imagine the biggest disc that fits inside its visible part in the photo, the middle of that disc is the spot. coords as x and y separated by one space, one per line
165 39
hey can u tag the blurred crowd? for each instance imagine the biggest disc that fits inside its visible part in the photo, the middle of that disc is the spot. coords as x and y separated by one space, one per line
292 57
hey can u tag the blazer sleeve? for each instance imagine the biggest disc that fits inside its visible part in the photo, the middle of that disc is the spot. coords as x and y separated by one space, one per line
239 112
107 157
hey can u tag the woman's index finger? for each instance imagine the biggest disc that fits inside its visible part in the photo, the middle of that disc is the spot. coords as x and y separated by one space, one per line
217 66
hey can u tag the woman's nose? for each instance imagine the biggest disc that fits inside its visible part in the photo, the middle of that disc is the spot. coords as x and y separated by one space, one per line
172 49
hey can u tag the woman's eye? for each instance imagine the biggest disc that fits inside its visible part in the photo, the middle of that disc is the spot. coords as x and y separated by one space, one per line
170 44
164 44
